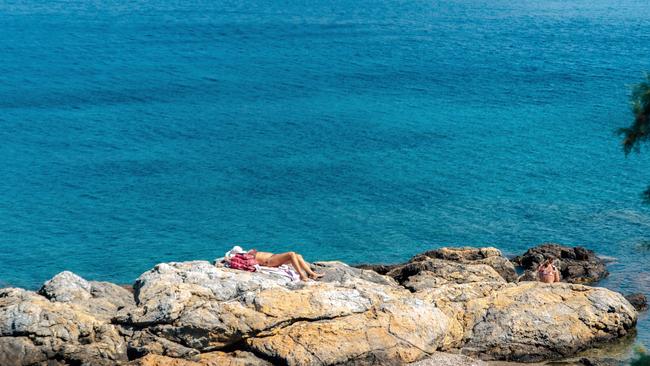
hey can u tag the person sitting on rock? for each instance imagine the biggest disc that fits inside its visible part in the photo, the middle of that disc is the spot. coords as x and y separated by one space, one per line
547 272
276 260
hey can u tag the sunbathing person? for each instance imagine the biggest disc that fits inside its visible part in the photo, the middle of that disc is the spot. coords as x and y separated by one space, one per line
276 260
547 272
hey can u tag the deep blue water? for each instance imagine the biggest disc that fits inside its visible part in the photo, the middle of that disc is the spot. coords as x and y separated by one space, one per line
133 133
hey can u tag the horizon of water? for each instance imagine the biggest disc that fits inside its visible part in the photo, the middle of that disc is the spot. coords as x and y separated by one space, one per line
140 133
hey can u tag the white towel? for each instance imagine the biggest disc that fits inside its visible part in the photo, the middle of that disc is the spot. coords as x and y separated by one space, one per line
283 270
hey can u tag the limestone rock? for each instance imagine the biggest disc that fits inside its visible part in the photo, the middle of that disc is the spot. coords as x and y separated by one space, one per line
237 358
197 306
102 299
448 359
194 313
66 287
576 265
147 342
205 307
532 321
19 350
452 299
489 256
34 329
158 360
391 335
338 272
429 273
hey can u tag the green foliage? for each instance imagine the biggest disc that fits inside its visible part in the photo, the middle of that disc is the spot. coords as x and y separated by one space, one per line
639 131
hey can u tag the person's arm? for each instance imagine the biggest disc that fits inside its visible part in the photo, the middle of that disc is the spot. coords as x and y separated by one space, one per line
557 274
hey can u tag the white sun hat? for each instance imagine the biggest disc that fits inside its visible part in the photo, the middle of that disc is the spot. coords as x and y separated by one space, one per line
235 250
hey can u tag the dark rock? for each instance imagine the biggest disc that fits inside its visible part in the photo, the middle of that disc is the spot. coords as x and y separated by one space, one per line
430 273
600 362
638 300
382 269
488 255
465 255
576 265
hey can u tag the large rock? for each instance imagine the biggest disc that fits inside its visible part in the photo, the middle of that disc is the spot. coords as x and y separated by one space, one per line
467 255
474 259
102 299
193 313
34 330
392 334
427 273
197 306
576 265
532 321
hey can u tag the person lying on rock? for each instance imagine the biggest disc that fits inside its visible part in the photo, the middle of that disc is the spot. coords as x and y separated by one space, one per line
547 272
268 259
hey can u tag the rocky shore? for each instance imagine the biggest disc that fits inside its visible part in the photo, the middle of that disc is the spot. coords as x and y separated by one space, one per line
452 306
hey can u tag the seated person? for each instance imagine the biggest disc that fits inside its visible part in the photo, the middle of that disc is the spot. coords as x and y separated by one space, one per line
547 272
275 260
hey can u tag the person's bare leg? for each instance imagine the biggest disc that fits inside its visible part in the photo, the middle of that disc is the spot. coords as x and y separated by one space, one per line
308 269
277 260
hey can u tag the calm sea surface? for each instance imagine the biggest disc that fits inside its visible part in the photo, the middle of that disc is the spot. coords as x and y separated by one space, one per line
133 133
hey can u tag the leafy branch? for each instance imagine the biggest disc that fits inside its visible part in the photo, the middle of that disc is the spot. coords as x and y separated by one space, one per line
639 131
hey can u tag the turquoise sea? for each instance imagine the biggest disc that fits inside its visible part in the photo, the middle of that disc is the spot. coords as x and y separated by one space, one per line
133 133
